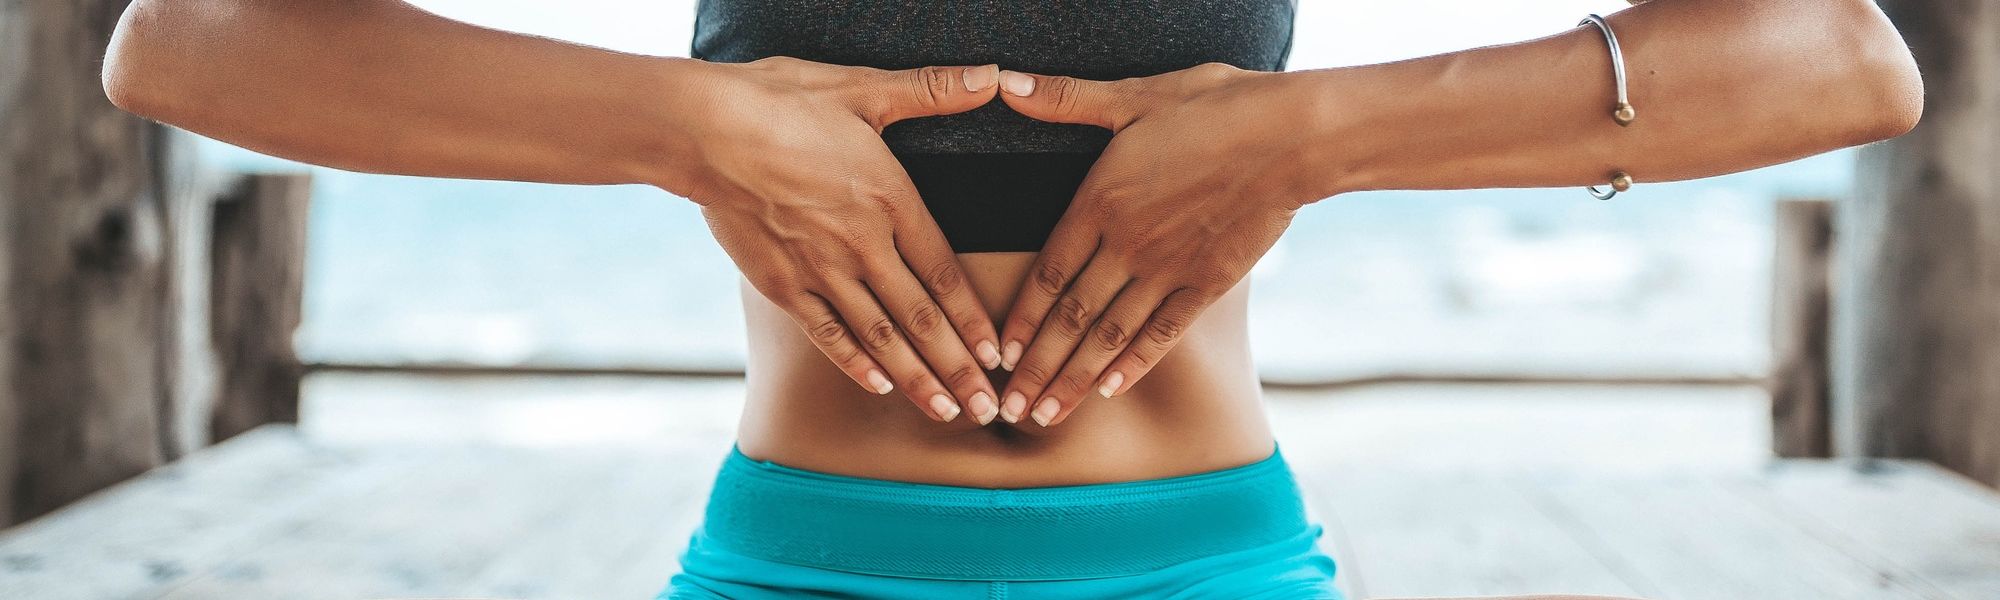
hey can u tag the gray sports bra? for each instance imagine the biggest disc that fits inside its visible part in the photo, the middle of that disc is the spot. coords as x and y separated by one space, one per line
993 179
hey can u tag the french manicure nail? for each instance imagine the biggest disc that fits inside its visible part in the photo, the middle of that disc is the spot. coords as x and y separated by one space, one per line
1010 354
881 384
983 408
946 409
1046 411
1015 405
1111 384
1016 83
988 357
979 78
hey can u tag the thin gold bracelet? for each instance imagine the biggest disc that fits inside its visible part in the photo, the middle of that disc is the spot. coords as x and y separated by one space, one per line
1622 113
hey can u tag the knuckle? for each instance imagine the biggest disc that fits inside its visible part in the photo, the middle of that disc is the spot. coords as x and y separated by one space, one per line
942 277
1062 93
1111 336
1032 374
1073 379
881 335
1071 314
1213 68
924 318
826 331
1167 327
1049 278
964 376
847 354
885 197
1143 356
933 85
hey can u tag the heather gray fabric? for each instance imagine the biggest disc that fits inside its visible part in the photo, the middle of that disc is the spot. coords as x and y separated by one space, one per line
1107 39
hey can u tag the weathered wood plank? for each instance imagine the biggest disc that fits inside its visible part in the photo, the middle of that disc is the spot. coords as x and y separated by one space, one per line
1689 538
269 515
659 533
1800 422
1917 330
1930 525
141 537
443 519
1444 534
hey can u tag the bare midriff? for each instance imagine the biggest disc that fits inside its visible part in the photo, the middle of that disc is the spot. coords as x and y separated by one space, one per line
1197 411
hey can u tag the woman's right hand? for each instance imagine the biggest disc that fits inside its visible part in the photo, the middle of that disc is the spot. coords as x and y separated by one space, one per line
803 194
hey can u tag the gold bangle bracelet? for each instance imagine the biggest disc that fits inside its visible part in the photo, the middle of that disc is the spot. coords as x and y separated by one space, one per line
1622 113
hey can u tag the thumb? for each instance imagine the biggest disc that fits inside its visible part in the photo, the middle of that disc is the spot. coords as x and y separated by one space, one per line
932 91
1059 99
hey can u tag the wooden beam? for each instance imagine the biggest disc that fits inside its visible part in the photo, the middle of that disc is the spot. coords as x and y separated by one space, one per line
256 296
1917 305
85 235
1800 426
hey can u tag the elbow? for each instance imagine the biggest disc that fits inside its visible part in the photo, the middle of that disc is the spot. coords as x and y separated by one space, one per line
1895 96
126 87
131 77
1889 90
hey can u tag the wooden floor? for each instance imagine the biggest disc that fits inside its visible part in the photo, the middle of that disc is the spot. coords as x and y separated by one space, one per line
275 515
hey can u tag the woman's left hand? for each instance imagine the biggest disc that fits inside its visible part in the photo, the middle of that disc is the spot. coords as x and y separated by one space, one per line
1202 176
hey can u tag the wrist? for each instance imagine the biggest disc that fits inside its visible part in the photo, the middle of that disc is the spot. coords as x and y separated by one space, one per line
678 99
1327 140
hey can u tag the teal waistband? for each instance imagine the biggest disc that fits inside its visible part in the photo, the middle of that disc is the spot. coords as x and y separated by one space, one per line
772 512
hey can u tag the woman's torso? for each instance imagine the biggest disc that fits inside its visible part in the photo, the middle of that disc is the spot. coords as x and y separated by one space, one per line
997 182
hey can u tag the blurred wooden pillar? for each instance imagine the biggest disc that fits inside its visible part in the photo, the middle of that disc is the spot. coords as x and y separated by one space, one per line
1800 418
257 288
120 347
1917 304
85 245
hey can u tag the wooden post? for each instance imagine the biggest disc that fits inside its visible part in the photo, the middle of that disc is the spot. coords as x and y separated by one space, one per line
1917 305
257 287
1800 423
84 239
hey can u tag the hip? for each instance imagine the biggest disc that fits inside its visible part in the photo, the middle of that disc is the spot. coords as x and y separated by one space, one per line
1237 532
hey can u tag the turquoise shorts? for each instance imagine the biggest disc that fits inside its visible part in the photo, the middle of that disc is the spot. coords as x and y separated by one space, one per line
773 531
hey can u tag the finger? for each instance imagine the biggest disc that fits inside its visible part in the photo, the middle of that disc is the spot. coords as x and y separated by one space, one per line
927 254
833 338
925 92
1073 315
1069 247
882 340
1162 330
1058 99
1084 374
924 325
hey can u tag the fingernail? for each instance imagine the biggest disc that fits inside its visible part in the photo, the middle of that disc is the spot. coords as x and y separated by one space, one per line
988 357
882 385
1009 355
983 408
1017 83
980 78
946 409
1111 384
1046 411
1015 405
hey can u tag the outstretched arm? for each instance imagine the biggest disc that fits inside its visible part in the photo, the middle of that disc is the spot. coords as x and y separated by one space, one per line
785 156
1209 163
382 86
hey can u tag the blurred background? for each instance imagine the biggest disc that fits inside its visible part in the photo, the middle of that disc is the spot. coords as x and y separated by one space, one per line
1537 338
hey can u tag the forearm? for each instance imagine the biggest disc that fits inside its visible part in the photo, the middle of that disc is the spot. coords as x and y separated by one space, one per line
380 86
1720 86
